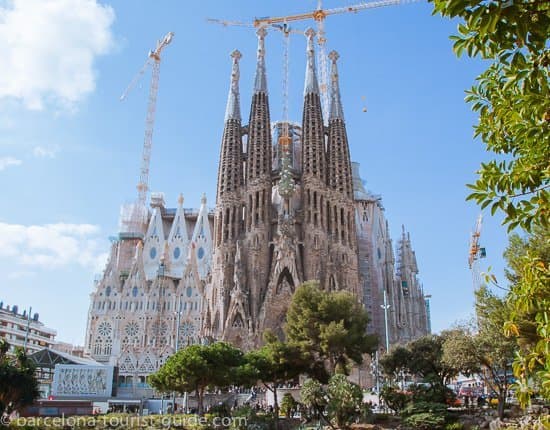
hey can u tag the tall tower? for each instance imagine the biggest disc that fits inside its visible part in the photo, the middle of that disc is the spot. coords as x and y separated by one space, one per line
258 184
314 189
342 266
228 216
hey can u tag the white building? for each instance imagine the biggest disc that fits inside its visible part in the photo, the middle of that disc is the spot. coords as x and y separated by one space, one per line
20 329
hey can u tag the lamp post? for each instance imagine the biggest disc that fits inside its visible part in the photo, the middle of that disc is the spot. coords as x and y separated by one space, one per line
177 344
386 306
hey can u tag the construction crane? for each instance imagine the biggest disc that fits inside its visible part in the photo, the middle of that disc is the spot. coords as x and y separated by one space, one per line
319 15
475 253
153 61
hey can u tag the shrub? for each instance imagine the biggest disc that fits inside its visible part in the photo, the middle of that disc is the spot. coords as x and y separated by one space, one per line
394 398
425 421
454 426
288 405
423 407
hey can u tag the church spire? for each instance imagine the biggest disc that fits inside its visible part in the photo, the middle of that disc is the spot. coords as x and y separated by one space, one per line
260 80
336 111
233 110
311 86
313 130
230 172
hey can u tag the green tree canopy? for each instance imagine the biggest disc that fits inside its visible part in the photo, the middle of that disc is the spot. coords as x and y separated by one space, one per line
275 363
529 301
196 367
332 326
512 98
482 349
18 385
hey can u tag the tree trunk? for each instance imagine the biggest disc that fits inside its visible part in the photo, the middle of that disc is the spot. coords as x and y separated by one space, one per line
276 406
199 401
501 403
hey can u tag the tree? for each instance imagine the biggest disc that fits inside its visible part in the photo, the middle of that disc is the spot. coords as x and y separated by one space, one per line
196 367
332 326
288 405
342 400
529 301
18 385
275 363
345 400
422 357
512 98
482 349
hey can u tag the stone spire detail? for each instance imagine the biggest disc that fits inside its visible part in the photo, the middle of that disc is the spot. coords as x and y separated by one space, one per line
336 111
311 86
260 80
233 109
313 131
230 172
339 173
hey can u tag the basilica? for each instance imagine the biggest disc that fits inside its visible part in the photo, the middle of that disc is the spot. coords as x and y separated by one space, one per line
290 207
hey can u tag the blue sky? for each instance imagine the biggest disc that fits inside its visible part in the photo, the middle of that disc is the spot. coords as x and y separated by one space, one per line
70 150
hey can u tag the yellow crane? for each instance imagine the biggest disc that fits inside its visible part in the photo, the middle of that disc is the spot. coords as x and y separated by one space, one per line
318 15
476 252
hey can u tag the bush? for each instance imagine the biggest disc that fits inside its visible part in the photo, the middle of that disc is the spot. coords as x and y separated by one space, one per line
435 393
425 421
288 405
395 399
454 426
425 407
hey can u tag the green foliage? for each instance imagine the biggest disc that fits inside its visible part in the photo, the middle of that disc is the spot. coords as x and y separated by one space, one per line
313 396
512 98
414 408
425 421
331 326
288 405
275 363
18 385
394 398
529 300
345 399
454 426
422 357
483 349
196 367
342 400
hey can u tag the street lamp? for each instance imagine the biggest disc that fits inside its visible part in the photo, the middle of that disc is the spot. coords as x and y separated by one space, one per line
386 306
177 344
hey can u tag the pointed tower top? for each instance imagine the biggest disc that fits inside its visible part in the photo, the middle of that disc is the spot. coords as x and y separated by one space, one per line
180 200
233 110
260 80
336 111
312 86
203 199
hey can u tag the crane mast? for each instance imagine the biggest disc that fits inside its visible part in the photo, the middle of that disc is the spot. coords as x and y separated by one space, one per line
475 253
153 61
319 15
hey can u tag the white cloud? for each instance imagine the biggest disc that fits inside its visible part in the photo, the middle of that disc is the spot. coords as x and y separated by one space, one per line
53 245
48 49
45 151
9 161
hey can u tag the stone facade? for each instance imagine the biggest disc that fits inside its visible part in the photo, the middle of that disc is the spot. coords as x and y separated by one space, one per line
290 207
